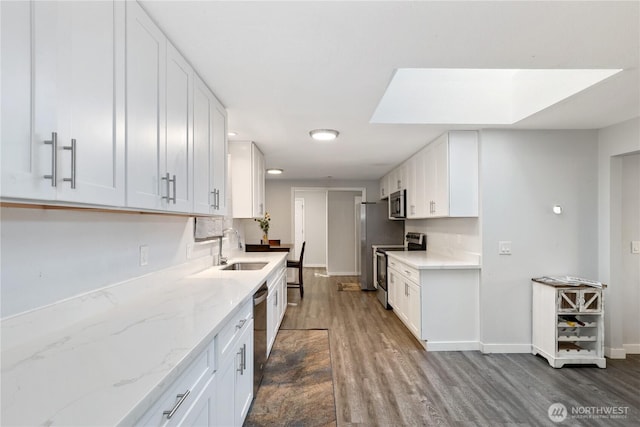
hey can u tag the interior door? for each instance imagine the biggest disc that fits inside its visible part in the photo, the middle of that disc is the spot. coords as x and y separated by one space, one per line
298 226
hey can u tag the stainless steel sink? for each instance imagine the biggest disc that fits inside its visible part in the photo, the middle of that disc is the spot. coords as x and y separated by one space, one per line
242 266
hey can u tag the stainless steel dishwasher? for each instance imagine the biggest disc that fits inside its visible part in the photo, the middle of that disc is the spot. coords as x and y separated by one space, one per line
259 335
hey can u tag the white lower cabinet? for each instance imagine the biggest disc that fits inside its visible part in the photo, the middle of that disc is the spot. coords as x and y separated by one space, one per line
217 388
235 381
438 306
276 305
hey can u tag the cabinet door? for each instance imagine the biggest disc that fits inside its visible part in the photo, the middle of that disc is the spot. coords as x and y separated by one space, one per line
441 178
225 396
75 55
272 314
258 182
422 205
411 187
90 99
283 295
203 199
179 143
392 289
413 308
146 161
25 157
218 173
384 187
244 376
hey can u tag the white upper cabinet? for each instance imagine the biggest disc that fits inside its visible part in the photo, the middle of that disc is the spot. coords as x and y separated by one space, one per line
179 132
210 151
63 101
159 119
247 180
218 183
384 187
452 168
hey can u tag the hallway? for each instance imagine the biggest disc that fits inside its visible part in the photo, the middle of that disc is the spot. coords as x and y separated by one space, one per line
382 376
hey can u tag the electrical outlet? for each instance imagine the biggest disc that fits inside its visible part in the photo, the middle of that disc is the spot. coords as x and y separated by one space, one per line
635 247
189 250
504 247
144 255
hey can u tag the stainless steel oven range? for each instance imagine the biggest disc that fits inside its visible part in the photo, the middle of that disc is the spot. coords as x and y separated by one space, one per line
415 242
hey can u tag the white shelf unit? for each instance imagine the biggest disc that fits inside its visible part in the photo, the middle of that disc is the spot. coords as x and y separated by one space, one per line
568 324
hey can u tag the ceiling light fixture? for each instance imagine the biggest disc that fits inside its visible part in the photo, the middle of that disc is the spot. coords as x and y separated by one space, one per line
232 134
274 171
324 134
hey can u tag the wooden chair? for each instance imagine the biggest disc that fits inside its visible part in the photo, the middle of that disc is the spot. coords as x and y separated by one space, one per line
298 265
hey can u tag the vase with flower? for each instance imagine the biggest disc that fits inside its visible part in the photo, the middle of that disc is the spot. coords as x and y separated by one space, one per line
264 226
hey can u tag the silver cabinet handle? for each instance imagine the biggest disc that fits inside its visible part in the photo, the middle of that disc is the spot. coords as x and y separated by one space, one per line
276 300
213 195
243 359
174 190
72 147
182 397
171 183
54 159
166 178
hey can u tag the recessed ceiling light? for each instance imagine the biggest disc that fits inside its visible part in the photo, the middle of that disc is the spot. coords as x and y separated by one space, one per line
324 134
274 171
232 133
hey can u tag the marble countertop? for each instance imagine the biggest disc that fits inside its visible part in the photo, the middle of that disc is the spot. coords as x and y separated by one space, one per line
103 358
425 260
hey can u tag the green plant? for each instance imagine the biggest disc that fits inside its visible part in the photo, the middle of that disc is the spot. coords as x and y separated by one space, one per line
264 222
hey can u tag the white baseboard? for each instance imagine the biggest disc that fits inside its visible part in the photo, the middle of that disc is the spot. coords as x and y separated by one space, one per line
631 348
315 265
615 353
505 348
453 346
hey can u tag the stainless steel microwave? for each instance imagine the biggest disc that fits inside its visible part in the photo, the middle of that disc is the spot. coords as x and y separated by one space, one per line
397 204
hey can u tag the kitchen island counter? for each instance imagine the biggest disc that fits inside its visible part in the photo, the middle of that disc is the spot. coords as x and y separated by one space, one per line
424 260
105 357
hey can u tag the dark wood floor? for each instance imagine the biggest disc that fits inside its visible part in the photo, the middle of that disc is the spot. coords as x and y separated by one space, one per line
382 376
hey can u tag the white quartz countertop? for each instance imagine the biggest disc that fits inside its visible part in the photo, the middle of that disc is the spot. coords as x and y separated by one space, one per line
128 343
424 260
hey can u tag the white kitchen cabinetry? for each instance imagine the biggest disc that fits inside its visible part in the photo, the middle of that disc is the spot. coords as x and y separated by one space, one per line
235 380
276 304
217 388
439 306
247 180
384 187
451 167
159 119
210 151
398 179
406 296
63 101
184 401
568 324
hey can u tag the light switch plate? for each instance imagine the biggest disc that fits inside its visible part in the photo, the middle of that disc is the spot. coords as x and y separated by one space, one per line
504 247
635 247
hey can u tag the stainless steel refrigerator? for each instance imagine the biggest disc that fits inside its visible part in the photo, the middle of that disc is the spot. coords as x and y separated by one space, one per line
376 229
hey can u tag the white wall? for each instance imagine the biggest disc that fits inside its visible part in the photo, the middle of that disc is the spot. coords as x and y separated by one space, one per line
315 219
613 142
341 237
523 174
49 255
630 263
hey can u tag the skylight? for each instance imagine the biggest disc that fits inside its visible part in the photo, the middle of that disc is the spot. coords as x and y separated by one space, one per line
478 96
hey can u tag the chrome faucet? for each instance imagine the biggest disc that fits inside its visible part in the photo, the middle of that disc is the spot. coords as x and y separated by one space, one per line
222 260
236 233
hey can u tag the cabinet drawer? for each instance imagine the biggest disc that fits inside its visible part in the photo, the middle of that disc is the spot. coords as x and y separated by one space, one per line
409 272
189 383
234 327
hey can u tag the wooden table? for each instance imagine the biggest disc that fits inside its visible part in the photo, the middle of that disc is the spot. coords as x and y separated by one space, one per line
283 247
